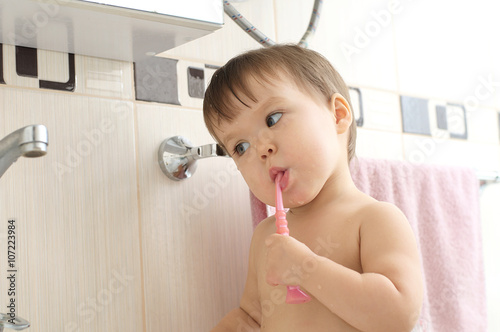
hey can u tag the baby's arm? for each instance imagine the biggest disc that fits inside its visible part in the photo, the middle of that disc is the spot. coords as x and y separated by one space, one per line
387 295
247 316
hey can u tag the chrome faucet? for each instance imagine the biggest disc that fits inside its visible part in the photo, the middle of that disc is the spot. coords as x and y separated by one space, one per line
14 323
30 141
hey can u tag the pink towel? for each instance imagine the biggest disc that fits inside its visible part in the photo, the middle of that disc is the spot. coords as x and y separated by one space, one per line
442 206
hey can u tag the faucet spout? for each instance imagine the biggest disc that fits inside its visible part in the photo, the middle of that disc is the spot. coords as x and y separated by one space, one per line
30 141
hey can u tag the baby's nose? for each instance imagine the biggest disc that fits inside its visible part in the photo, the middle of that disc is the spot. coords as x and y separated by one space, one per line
267 153
266 144
267 150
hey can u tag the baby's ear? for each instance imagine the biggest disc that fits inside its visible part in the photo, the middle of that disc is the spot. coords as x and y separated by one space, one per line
342 111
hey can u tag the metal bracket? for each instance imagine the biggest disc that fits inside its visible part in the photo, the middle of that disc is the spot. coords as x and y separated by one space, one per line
177 156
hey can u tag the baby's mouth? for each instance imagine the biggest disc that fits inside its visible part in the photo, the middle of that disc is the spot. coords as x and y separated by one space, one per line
274 171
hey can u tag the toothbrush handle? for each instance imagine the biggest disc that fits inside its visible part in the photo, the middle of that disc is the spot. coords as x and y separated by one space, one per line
294 294
281 223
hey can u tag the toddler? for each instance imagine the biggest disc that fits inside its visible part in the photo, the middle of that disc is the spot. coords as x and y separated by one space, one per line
284 109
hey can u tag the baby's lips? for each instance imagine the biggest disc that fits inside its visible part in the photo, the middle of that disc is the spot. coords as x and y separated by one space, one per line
284 180
274 171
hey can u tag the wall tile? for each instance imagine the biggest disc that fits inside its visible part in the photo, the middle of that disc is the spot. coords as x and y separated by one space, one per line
357 105
66 72
2 81
421 149
53 66
156 80
196 82
415 114
457 121
439 123
28 67
77 212
379 144
188 85
199 228
209 72
483 125
103 77
381 110
26 61
433 117
10 74
441 117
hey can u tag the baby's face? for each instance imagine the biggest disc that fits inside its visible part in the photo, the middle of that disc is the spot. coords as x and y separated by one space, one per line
287 130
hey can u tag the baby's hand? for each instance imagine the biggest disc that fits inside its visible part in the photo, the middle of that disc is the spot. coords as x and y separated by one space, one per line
288 261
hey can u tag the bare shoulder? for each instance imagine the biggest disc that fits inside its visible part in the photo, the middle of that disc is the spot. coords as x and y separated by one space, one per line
263 229
383 225
388 246
381 212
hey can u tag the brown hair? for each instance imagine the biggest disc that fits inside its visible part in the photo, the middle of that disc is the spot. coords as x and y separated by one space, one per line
306 67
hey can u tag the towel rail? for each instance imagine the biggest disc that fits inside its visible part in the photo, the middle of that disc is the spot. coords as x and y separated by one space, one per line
488 176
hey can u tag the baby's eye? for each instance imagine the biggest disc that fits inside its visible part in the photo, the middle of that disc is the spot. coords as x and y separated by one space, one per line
241 148
273 119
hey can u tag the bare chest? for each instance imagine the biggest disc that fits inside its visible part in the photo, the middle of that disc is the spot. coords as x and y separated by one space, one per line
338 242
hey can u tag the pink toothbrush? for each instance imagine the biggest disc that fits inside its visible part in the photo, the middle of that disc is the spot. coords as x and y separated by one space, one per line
294 295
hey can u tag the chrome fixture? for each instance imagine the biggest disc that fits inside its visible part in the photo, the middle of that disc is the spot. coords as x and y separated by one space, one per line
491 176
177 156
16 323
30 142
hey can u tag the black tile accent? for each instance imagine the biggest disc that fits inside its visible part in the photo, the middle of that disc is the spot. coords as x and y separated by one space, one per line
415 115
196 82
26 61
2 81
360 119
64 86
465 134
27 65
442 120
156 80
